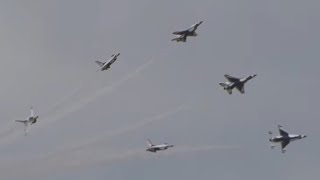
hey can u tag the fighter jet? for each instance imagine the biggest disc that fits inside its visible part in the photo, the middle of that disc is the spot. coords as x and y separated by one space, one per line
29 121
182 35
284 138
235 83
154 148
106 65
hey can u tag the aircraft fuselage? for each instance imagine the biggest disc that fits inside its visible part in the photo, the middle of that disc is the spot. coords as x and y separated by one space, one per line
156 148
107 65
33 120
279 139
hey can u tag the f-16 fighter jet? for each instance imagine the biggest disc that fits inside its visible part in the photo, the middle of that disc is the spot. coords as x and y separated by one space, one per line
154 148
106 65
29 121
235 83
284 138
182 35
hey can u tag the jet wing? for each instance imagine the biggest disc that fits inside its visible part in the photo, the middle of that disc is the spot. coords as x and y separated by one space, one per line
111 61
231 79
284 143
182 38
180 32
193 28
240 87
100 63
283 132
22 121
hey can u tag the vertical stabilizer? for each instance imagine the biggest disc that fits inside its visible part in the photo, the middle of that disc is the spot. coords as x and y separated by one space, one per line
149 143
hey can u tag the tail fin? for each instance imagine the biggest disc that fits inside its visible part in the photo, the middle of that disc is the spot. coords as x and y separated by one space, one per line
99 63
224 85
149 143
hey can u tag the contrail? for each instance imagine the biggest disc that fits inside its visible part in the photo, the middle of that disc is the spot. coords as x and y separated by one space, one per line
41 168
10 135
9 128
87 143
63 100
12 131
105 90
97 159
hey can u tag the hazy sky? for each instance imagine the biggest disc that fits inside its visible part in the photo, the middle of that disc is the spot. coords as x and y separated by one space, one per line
93 125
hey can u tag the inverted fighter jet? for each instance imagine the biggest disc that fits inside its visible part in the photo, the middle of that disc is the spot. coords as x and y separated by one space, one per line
29 121
182 35
235 83
106 65
154 148
284 138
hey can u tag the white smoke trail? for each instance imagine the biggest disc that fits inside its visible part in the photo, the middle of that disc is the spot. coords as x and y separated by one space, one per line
106 136
9 136
8 129
103 91
41 168
89 159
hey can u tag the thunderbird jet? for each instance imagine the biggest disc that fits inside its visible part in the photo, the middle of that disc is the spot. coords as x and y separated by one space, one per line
106 65
235 83
154 148
29 121
182 35
284 138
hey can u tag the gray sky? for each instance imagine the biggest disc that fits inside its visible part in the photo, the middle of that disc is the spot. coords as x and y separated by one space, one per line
93 125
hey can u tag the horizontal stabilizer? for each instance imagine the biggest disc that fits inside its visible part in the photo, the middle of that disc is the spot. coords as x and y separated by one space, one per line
179 39
223 85
99 63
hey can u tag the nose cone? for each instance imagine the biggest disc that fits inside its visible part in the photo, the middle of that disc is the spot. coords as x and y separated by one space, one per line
304 136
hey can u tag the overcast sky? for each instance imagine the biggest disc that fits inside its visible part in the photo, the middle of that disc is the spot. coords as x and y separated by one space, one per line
93 125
